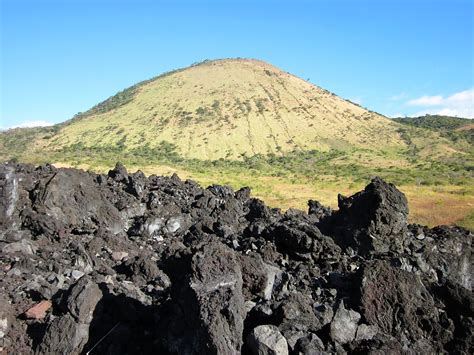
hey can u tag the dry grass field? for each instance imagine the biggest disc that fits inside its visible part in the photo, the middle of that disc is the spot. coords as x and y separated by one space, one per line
429 205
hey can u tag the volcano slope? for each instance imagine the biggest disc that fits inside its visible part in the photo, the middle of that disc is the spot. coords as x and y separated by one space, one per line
223 109
121 263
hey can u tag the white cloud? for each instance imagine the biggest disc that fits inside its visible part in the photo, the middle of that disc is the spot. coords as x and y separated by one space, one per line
465 113
462 97
29 124
458 104
398 97
426 101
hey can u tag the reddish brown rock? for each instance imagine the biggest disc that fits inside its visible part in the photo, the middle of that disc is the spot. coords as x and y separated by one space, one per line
38 311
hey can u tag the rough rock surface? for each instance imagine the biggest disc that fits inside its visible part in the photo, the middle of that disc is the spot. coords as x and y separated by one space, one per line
344 325
267 340
136 265
38 311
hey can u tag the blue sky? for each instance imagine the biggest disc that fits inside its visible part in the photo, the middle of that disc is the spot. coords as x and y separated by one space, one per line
396 57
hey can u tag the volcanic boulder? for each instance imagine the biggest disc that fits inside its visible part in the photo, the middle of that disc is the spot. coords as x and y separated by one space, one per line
371 221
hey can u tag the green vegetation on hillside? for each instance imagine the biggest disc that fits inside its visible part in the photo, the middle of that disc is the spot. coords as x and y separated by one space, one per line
455 128
18 143
437 122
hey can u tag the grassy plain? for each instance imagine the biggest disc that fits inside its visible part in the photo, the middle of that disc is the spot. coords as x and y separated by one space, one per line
433 200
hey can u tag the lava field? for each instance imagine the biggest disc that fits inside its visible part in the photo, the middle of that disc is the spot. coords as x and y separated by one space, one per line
128 264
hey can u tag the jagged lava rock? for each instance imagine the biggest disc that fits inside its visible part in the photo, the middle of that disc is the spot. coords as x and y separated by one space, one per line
373 220
143 265
212 302
68 334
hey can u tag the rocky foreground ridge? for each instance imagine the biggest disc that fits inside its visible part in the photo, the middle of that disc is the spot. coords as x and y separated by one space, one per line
122 263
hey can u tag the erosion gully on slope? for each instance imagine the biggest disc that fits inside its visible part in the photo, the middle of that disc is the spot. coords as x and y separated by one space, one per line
125 264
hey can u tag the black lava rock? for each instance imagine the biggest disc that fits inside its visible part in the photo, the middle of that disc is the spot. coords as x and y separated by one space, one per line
137 265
